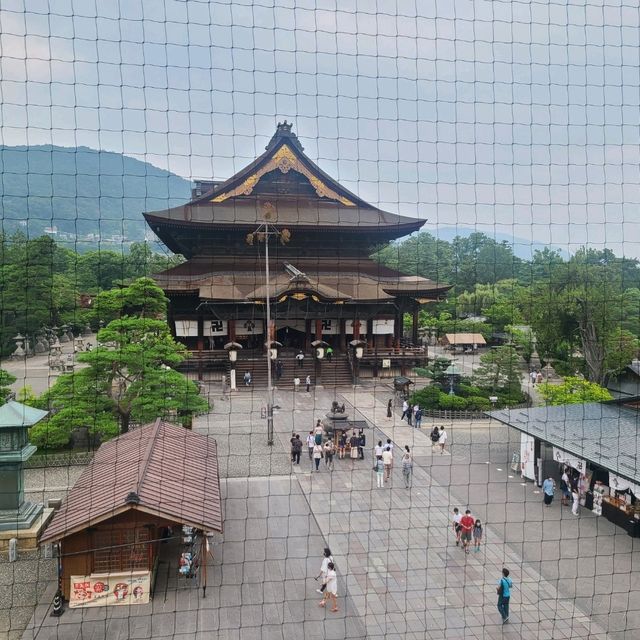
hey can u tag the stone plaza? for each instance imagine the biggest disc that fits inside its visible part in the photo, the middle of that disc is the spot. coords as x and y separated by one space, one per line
400 574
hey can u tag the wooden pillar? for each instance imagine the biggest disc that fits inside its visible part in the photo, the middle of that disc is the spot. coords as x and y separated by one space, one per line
397 330
414 327
370 337
200 345
231 330
343 335
318 330
356 329
307 334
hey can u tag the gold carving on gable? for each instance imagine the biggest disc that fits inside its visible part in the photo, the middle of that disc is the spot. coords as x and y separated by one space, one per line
284 160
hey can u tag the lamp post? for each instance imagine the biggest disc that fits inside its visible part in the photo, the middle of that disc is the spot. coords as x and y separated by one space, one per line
232 349
262 234
358 351
319 351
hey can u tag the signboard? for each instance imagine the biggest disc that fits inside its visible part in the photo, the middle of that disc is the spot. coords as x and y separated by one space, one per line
330 327
215 328
186 328
563 457
383 327
104 589
250 328
527 456
386 363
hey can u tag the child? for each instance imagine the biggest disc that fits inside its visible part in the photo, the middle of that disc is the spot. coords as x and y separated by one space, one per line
457 527
477 534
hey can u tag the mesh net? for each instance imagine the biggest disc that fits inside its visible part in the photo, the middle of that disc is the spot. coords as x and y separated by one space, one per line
254 254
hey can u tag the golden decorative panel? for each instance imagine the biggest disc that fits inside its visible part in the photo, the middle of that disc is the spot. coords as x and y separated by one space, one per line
284 160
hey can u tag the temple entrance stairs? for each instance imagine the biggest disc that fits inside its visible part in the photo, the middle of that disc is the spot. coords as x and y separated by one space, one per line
336 373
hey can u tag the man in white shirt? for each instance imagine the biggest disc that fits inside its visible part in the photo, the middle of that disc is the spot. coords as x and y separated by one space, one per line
311 441
378 449
387 460
405 408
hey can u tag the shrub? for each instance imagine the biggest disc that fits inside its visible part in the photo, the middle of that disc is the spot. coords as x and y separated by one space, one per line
50 434
422 372
452 403
478 403
427 398
467 390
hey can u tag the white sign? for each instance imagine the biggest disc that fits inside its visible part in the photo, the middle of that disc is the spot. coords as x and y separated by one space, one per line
383 327
103 589
622 484
563 457
527 456
249 327
386 363
330 327
186 328
215 328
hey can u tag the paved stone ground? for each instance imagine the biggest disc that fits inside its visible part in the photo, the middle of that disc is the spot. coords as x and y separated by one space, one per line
397 562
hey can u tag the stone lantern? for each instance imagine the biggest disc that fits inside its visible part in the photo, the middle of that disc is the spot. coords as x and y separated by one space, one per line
16 515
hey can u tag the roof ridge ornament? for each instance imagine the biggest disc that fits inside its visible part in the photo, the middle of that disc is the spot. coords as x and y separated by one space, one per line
295 273
283 130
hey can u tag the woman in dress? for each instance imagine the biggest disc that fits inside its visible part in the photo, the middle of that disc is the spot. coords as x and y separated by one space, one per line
317 455
354 441
389 409
331 591
477 534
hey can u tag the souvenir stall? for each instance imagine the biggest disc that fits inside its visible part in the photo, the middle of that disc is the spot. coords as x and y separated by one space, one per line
153 485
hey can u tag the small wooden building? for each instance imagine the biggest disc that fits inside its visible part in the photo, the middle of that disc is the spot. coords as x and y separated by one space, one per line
112 522
465 341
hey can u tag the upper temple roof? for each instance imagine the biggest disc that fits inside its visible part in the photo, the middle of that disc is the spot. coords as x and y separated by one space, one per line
284 187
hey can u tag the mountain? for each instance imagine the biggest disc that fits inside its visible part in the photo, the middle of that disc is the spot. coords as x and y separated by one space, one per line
81 194
522 247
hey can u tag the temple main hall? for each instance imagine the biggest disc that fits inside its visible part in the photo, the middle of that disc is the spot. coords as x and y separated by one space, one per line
322 283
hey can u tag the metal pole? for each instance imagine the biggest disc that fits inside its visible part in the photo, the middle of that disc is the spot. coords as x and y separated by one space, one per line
268 332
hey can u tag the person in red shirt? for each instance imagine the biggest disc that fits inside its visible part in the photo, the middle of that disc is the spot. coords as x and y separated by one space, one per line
466 523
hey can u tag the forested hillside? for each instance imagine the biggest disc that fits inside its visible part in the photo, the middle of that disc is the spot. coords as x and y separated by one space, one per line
86 195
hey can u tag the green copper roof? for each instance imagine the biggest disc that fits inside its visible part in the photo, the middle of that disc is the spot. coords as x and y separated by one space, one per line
14 414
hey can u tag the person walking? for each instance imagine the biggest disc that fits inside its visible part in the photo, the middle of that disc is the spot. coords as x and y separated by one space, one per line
318 430
331 592
575 495
405 408
418 418
353 443
379 469
279 369
300 359
565 488
296 449
466 523
387 460
328 454
390 445
324 568
477 534
308 382
435 436
390 409
342 444
442 439
329 353
457 529
409 414
548 488
533 376
362 443
407 466
311 441
296 383
504 594
247 378
378 449
317 455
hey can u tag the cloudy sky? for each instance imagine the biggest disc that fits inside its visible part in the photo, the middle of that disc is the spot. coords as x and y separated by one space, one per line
515 117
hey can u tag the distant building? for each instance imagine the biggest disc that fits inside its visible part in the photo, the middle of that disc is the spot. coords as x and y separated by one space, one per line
627 383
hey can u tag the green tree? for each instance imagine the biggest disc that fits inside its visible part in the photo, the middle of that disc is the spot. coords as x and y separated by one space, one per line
621 349
499 371
6 380
129 376
573 391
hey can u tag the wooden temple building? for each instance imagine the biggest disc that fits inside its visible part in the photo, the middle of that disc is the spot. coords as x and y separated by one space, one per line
323 285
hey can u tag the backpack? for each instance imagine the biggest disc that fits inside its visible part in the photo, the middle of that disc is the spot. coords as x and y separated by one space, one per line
435 435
